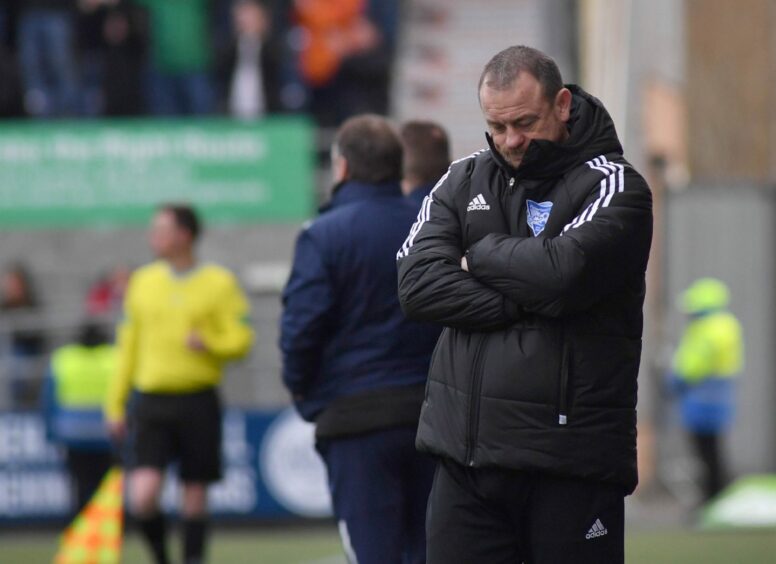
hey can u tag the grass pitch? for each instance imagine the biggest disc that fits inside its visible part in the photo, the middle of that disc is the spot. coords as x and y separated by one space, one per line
320 545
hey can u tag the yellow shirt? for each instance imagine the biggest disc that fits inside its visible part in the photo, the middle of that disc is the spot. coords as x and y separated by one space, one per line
161 309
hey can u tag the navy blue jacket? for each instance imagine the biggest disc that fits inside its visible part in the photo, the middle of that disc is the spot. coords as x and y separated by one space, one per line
417 195
342 328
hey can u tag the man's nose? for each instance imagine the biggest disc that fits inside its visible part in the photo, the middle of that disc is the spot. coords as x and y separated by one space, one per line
515 138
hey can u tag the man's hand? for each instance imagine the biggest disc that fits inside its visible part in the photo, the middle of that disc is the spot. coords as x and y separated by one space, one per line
117 430
195 342
464 264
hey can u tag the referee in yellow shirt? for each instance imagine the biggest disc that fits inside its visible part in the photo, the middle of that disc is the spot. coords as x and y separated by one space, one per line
182 321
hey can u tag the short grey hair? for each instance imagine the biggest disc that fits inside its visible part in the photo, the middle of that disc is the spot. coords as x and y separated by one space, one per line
502 70
371 147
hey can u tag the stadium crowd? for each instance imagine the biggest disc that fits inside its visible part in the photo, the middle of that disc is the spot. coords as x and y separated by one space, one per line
244 58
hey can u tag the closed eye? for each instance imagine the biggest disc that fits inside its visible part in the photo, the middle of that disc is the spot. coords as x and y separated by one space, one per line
524 123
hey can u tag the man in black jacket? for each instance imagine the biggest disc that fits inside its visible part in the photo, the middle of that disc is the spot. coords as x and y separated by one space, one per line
532 253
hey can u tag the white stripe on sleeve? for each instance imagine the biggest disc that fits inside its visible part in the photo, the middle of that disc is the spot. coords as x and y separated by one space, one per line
613 181
425 209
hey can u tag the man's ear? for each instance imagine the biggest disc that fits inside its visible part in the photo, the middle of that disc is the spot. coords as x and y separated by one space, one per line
406 186
563 104
339 168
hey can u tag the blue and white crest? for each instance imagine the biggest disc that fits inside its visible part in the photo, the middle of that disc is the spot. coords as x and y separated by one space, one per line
538 214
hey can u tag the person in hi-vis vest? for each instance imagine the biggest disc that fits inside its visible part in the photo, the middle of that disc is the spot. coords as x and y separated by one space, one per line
73 397
709 356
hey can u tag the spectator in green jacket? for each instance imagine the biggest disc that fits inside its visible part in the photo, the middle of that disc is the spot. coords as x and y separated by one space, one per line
179 81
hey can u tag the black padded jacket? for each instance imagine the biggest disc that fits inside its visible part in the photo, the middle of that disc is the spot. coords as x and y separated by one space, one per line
537 366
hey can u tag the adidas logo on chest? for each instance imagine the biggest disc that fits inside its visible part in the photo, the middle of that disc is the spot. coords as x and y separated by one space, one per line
478 204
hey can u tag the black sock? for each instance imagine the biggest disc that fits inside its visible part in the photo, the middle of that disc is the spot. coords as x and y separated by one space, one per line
154 530
194 531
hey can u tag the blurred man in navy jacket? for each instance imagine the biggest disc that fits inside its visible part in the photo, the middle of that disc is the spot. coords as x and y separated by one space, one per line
426 158
353 363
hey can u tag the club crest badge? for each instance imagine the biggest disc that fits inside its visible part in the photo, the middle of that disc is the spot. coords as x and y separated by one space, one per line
538 214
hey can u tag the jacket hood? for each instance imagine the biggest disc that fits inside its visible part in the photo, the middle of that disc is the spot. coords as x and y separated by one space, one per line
591 133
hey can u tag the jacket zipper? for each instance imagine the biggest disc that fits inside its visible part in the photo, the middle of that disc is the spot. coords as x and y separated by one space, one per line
474 404
565 366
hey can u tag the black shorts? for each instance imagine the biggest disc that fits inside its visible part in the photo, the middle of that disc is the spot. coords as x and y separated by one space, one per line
182 428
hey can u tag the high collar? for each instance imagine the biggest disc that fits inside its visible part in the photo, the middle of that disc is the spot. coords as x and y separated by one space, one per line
591 133
351 191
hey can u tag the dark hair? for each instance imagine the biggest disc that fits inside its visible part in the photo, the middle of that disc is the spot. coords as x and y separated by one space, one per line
93 334
185 217
426 151
371 147
502 70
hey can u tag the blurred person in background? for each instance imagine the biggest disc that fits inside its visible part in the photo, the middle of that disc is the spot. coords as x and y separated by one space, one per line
10 86
426 158
183 320
353 363
533 254
248 68
74 393
10 79
346 55
708 358
125 32
25 340
91 54
180 58
47 55
106 295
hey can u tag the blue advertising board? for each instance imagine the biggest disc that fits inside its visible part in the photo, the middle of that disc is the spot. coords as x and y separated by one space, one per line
271 470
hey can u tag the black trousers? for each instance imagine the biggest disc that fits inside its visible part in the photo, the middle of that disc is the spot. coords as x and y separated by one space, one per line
495 516
708 448
87 469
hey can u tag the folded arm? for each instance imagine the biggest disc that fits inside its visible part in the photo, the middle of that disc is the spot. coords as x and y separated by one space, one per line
598 252
432 285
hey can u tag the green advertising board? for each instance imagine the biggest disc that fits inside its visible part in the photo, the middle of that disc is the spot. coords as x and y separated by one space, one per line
93 173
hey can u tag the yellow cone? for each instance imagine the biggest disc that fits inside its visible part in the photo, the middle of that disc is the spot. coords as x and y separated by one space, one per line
95 535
